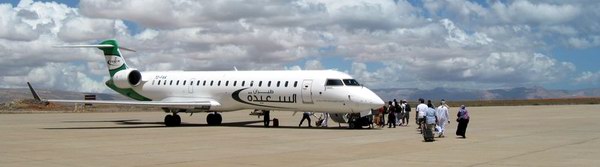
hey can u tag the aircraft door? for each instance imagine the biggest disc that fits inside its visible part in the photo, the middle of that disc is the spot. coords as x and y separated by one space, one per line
307 91
191 86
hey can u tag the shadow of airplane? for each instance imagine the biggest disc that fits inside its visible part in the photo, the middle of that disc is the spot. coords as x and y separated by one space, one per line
136 124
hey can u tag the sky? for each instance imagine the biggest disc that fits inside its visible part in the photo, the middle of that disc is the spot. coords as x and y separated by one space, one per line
485 44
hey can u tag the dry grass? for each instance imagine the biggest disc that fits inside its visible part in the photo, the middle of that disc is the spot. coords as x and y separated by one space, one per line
32 106
526 102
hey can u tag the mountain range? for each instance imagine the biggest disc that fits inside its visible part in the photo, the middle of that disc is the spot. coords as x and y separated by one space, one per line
476 94
7 95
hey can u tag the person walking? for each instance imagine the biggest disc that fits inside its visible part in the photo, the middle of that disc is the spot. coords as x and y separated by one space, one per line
266 117
397 113
391 115
430 105
463 121
305 115
421 109
406 112
442 118
429 124
380 114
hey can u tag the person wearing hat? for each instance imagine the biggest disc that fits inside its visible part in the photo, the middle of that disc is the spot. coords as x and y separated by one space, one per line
442 117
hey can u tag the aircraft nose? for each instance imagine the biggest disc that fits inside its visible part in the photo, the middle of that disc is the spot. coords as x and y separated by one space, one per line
376 102
372 100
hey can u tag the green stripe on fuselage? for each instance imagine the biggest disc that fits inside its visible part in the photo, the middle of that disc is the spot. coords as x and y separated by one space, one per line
127 92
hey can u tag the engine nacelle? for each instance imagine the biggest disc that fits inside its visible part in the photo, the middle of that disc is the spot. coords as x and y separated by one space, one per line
127 78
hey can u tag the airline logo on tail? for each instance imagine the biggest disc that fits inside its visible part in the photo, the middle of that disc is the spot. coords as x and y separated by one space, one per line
114 61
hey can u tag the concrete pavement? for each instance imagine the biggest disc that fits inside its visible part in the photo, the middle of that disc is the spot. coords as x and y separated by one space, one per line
567 135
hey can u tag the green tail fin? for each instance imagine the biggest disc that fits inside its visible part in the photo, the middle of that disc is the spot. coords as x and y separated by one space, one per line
113 56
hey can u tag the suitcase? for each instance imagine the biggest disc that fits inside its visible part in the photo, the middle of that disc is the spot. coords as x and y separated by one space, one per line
428 133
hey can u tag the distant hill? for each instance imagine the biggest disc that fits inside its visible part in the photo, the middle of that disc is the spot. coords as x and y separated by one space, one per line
8 95
474 94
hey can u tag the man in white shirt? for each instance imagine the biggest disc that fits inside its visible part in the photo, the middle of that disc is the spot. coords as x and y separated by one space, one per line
421 109
442 117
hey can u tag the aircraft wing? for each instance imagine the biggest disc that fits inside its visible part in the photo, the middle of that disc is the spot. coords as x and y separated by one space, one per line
171 102
187 103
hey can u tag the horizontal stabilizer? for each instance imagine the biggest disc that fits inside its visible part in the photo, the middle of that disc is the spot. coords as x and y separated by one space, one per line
93 46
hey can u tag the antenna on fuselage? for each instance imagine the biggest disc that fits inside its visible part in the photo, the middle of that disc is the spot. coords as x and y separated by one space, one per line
235 68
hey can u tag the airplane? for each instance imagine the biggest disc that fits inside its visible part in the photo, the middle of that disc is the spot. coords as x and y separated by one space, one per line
324 91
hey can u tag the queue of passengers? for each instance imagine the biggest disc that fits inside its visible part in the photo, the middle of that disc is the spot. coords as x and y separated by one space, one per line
427 118
397 114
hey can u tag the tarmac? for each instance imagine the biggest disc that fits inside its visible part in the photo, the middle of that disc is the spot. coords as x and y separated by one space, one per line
566 135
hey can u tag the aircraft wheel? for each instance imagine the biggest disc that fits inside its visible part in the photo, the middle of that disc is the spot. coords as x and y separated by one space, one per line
352 125
210 119
176 120
169 120
218 119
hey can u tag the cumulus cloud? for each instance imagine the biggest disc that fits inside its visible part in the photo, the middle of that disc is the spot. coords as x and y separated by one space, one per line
84 29
584 42
448 42
589 77
539 13
58 76
14 28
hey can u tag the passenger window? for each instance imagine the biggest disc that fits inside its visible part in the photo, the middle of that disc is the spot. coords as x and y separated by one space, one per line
234 83
243 83
184 82
295 84
259 83
278 82
152 82
251 83
204 83
219 83
198 83
269 84
171 82
211 83
226 83
158 82
334 82
286 83
177 82
351 82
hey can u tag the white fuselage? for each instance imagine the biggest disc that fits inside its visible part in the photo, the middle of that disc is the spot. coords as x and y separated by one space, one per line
265 90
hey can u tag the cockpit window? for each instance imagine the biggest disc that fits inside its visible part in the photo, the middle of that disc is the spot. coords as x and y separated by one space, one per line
351 82
334 82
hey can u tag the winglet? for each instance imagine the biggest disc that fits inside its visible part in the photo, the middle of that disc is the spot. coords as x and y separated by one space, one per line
35 95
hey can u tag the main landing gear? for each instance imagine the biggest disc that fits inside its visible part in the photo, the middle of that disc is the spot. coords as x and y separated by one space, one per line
173 120
214 119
